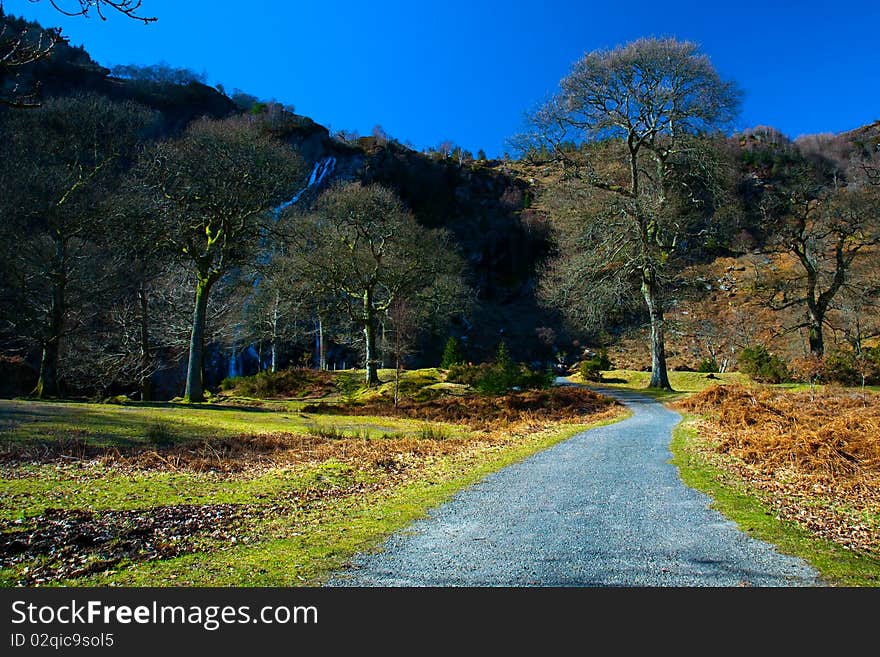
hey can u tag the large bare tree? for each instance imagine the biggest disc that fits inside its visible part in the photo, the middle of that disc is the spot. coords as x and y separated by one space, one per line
211 192
624 125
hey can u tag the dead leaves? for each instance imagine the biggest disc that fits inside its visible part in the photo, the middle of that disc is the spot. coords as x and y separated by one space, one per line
816 457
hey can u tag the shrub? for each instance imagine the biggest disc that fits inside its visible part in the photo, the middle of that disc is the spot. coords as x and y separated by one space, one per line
465 373
838 366
497 380
349 385
762 366
708 366
535 379
452 354
591 370
870 362
292 382
843 367
501 375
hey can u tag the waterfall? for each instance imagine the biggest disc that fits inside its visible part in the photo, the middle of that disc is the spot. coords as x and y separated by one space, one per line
323 168
233 370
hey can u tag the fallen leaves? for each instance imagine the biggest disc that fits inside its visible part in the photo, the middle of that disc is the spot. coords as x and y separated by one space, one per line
71 542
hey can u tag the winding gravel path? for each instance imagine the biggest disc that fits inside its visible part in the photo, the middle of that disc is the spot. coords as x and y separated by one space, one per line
604 508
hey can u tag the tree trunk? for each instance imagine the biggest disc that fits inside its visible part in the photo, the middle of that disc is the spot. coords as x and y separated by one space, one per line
47 383
371 375
319 337
194 384
659 375
274 367
146 360
817 339
397 382
384 343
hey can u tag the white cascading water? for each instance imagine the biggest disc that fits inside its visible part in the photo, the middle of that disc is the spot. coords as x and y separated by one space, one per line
323 168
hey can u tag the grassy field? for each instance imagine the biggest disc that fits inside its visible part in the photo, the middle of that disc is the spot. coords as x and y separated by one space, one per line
212 494
282 490
134 424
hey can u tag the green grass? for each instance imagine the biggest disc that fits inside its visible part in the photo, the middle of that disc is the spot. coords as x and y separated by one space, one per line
349 387
733 498
308 548
130 424
683 383
99 488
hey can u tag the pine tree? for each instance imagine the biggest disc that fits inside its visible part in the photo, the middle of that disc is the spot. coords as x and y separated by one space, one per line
452 354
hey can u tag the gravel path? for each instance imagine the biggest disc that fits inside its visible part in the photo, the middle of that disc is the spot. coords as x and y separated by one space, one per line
601 509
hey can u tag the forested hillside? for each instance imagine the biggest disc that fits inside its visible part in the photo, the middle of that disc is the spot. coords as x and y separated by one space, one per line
118 326
160 235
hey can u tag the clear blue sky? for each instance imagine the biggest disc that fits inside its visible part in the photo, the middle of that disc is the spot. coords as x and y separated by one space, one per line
467 70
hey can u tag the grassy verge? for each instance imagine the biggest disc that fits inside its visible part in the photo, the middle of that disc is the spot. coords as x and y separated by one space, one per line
326 536
736 500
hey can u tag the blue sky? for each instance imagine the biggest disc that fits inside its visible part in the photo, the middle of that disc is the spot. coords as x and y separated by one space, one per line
467 70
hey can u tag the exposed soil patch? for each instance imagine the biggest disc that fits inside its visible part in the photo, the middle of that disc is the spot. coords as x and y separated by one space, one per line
75 543
816 456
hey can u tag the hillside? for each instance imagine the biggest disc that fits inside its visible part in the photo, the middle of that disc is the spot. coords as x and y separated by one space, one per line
498 215
479 202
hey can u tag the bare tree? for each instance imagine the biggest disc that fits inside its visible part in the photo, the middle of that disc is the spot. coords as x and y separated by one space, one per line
211 191
362 248
641 106
57 165
400 340
22 44
130 8
280 309
827 220
380 135
445 148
